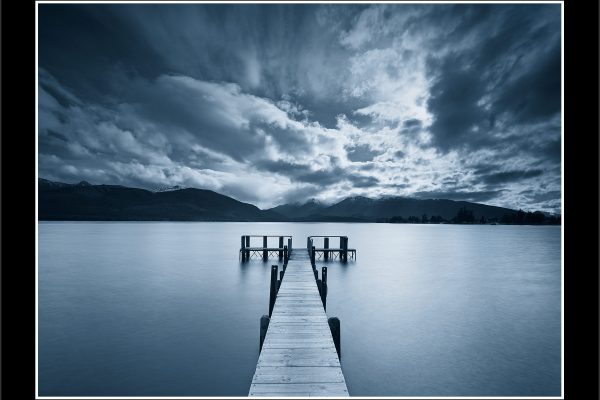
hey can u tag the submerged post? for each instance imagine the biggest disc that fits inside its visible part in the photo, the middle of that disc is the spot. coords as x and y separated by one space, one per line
345 249
324 287
273 288
265 252
281 247
243 250
264 325
334 326
326 246
247 247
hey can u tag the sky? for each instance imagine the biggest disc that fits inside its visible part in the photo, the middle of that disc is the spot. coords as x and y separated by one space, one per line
279 103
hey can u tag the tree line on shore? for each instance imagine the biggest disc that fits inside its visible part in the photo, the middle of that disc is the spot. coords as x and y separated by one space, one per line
466 216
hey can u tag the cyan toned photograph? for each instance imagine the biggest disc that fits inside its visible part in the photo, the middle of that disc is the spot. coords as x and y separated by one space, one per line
299 200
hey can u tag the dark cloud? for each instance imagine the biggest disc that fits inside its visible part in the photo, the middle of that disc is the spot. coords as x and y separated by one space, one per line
412 126
535 95
362 153
511 73
551 195
510 176
454 103
304 173
320 177
475 196
361 181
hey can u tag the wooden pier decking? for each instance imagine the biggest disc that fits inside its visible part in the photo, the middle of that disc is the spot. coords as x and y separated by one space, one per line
298 356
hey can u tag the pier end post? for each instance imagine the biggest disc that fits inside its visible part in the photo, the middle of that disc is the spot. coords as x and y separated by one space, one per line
324 287
334 326
345 249
281 247
243 248
273 288
247 246
265 252
264 325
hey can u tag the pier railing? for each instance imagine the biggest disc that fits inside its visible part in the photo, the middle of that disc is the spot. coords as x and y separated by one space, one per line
281 251
326 252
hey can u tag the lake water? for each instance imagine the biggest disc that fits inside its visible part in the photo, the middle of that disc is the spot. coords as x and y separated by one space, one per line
166 309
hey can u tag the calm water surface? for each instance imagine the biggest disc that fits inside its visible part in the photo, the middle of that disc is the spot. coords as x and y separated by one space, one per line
166 309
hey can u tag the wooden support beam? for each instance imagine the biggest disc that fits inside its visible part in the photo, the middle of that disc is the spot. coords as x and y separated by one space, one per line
334 325
264 325
265 252
273 289
281 247
324 287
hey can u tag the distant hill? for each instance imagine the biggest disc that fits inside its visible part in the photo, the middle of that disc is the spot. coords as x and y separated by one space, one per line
360 208
299 210
83 201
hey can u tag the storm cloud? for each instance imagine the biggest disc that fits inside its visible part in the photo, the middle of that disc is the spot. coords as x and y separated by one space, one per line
276 102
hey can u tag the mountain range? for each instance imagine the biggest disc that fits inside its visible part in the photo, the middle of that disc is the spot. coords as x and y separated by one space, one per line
84 201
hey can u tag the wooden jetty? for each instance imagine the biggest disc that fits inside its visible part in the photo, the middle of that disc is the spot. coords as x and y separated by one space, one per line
300 346
264 252
327 252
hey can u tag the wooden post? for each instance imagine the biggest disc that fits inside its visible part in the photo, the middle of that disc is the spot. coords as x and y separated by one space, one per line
312 255
334 326
273 289
289 247
285 255
324 287
264 325
247 246
316 273
326 246
243 250
281 275
281 247
345 249
320 286
265 252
